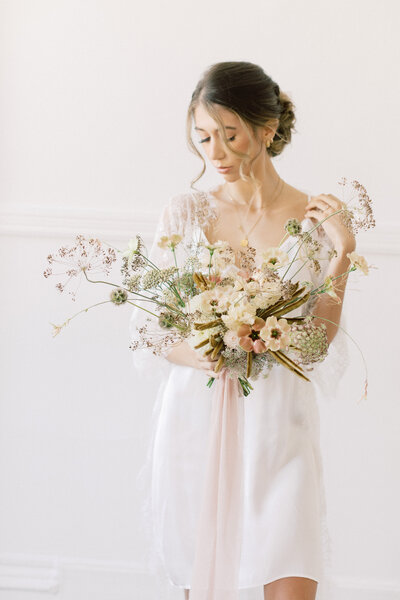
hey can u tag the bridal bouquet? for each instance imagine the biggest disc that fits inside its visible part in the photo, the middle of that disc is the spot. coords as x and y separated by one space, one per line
240 315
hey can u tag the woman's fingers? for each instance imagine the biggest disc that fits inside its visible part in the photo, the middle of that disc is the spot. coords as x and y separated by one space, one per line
318 203
322 200
332 200
203 358
315 214
208 364
213 374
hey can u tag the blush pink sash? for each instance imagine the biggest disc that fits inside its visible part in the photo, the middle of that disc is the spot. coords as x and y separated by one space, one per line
215 574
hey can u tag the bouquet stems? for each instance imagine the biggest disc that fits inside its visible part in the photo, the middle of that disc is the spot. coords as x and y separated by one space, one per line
244 382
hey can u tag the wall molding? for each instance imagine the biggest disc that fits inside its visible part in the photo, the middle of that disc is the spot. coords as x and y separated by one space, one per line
46 574
29 573
49 222
56 222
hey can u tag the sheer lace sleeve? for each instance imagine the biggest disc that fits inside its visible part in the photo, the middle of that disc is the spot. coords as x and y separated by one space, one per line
184 214
327 374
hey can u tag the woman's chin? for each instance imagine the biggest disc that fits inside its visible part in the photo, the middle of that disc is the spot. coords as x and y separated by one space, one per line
231 176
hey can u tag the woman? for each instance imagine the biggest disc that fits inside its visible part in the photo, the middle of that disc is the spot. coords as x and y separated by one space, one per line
243 120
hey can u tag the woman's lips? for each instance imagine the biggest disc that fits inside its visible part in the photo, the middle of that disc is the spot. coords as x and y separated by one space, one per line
223 169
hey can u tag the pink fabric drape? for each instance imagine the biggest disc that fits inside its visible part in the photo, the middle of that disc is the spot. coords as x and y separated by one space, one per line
215 573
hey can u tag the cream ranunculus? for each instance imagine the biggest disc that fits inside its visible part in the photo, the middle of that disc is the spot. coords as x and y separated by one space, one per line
242 312
252 287
239 282
270 292
359 262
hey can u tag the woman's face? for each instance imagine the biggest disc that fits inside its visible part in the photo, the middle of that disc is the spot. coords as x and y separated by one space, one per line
212 143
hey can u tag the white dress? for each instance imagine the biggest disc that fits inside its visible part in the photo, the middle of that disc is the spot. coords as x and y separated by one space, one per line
285 529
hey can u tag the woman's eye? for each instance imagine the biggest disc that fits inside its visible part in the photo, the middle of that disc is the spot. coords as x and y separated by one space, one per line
208 139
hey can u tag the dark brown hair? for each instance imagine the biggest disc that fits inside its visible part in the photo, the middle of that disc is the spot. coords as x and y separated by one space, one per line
254 97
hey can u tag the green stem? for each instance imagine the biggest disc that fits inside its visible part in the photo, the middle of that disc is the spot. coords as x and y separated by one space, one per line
83 310
240 298
149 261
141 307
106 282
209 264
246 385
162 304
303 265
117 286
174 290
176 326
176 265
210 381
307 234
333 279
283 239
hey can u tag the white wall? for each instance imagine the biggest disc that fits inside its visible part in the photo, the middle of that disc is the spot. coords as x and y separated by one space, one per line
93 103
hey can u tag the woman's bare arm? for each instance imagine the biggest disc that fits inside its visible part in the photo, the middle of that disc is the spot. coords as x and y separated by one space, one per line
343 240
327 306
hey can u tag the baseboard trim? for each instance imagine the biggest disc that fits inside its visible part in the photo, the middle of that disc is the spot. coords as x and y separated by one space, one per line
32 573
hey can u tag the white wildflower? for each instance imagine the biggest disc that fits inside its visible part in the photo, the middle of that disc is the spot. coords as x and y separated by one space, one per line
358 261
274 258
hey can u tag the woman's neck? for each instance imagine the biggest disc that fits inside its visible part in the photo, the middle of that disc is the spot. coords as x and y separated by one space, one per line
264 198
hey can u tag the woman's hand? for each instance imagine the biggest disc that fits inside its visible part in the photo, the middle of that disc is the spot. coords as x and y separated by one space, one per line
183 354
322 206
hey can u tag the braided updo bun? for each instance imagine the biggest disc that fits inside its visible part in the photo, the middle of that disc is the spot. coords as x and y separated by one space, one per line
286 125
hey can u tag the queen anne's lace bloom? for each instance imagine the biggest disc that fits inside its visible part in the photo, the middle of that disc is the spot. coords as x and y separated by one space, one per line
85 256
310 341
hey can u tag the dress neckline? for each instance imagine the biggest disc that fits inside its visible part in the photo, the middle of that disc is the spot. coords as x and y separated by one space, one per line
208 194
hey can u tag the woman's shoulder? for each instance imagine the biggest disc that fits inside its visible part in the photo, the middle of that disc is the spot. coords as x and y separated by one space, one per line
296 201
192 207
300 199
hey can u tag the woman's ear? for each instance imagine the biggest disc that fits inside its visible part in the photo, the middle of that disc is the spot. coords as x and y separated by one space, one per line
271 127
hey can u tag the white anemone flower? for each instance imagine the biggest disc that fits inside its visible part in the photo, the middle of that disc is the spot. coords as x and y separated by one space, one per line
274 258
133 246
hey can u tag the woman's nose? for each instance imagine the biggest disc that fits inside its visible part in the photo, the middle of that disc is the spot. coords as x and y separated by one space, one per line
216 151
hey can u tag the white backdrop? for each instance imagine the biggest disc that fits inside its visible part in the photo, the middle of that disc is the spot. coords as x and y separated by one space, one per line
93 103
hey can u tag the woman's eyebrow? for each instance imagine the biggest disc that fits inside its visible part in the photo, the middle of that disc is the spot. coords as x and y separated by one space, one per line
226 127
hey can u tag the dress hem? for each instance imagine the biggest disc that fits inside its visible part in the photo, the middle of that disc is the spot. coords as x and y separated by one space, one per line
253 585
